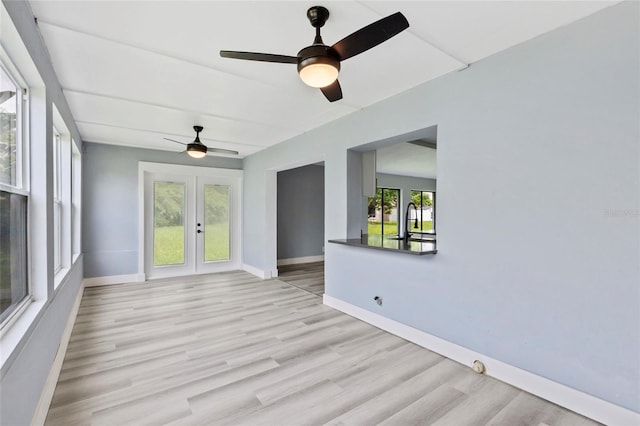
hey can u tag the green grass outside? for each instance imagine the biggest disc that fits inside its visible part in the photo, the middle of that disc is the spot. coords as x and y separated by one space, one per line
168 244
391 228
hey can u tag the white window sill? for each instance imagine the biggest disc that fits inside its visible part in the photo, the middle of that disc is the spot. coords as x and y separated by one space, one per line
60 276
13 335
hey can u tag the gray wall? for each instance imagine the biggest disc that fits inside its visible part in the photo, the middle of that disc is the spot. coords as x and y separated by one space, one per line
301 212
538 150
110 203
24 374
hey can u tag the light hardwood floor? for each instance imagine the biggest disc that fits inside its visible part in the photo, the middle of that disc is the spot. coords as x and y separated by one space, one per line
233 349
307 276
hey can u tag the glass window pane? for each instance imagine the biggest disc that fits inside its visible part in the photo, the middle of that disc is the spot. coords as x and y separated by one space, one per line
383 212
390 210
168 223
8 130
57 166
427 212
13 251
374 213
216 223
57 241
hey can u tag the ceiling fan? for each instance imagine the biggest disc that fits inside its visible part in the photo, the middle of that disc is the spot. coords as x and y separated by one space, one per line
197 149
319 64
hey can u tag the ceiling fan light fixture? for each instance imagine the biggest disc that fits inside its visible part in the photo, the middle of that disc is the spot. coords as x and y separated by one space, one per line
319 71
196 150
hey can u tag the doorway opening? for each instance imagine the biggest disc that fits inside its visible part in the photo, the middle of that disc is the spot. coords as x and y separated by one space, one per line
300 227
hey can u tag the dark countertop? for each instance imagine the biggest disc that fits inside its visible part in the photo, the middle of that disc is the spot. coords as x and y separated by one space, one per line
378 242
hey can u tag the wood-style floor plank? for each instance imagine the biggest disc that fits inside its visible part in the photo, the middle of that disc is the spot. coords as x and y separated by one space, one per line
307 276
233 349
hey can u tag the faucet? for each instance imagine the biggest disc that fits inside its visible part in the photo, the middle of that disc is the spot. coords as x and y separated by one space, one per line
407 234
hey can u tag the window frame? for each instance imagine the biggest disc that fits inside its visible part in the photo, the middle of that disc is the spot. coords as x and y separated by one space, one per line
57 201
22 183
382 192
76 201
433 199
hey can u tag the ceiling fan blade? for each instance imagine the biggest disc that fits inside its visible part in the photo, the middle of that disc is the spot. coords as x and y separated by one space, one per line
332 92
223 151
371 35
264 57
175 141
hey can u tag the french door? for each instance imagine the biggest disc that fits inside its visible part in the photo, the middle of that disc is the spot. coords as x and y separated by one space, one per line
191 224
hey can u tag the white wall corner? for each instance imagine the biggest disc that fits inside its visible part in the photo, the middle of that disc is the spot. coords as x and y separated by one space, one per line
572 399
256 271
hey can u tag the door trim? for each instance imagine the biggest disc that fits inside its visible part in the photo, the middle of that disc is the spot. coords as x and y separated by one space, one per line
227 174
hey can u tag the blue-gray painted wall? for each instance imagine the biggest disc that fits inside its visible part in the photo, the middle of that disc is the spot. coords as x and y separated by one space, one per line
110 203
301 212
538 200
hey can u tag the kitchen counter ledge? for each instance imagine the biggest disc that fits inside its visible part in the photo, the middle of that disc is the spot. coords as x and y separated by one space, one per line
377 242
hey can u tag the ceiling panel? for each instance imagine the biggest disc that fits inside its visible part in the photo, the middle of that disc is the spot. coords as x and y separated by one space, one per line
472 30
172 122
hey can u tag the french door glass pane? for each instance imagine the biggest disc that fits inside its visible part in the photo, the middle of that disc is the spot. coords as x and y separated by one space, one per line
13 251
216 223
168 223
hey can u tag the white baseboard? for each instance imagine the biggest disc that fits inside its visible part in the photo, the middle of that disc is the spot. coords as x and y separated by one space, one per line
296 260
49 387
580 402
255 271
113 279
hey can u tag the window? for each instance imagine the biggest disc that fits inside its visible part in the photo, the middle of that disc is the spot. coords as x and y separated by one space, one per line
383 212
13 198
57 202
10 107
426 203
76 191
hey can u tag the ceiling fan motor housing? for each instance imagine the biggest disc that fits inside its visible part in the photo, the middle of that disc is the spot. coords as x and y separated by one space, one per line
318 54
196 149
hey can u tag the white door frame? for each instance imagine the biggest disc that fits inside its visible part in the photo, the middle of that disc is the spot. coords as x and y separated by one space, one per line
229 176
271 211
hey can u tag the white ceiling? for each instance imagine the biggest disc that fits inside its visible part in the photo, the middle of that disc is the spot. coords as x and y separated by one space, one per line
135 72
407 159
